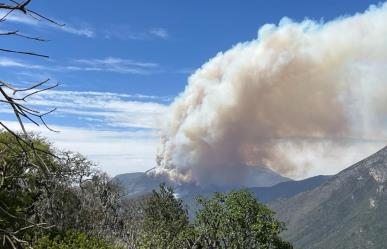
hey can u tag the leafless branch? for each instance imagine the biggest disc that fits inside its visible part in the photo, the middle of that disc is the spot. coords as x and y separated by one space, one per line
23 52
16 33
17 104
36 14
16 98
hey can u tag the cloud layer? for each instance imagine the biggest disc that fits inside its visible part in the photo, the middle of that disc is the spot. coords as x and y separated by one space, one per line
104 109
17 17
300 96
115 152
108 64
116 31
119 132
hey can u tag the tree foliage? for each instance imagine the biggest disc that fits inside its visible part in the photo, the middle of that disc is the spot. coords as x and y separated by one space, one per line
164 219
72 240
237 220
22 183
230 220
68 194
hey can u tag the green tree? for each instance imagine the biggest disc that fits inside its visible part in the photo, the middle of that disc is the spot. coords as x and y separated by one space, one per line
237 220
72 240
43 190
164 219
232 220
23 180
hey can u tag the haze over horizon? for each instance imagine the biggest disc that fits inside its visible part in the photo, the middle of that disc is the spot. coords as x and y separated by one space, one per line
112 99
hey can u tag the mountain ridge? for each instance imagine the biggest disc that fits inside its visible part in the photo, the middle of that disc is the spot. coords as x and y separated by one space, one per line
139 183
347 211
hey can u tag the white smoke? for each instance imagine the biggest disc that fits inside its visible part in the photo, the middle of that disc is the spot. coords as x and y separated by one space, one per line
299 96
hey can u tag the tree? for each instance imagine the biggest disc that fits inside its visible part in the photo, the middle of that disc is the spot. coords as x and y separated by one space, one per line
68 195
72 240
237 220
131 221
83 199
22 182
231 220
16 98
30 159
40 186
164 219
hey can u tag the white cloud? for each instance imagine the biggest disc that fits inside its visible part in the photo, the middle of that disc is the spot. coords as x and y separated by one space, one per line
118 65
124 32
104 109
119 131
9 62
113 61
159 32
78 31
109 64
17 17
20 18
115 152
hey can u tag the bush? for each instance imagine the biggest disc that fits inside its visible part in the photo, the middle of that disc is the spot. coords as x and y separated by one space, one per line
42 189
237 220
72 240
227 220
164 218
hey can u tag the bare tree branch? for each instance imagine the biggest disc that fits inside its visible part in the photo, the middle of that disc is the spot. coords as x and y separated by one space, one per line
16 33
23 52
17 103
16 98
34 13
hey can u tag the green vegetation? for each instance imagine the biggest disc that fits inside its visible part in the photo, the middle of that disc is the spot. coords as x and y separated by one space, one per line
55 199
237 220
23 182
164 219
233 220
72 240
42 189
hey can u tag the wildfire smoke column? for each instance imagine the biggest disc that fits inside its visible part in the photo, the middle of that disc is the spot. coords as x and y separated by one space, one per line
291 100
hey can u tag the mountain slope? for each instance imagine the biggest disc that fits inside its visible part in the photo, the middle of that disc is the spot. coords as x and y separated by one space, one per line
139 183
142 183
287 189
263 194
347 211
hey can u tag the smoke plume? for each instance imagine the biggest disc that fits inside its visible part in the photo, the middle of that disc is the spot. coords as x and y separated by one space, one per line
295 97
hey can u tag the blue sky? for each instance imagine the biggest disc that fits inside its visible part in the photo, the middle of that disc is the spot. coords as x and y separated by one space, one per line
121 63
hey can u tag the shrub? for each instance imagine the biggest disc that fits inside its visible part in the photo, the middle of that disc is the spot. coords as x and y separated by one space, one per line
71 240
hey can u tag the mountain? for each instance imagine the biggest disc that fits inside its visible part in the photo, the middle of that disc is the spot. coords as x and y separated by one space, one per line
141 183
259 177
264 194
287 189
138 184
347 211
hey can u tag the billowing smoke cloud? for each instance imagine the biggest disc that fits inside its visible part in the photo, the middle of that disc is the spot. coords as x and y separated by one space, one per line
290 100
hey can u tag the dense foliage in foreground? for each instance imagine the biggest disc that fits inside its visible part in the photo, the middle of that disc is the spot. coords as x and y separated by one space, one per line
53 199
232 220
71 240
42 190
